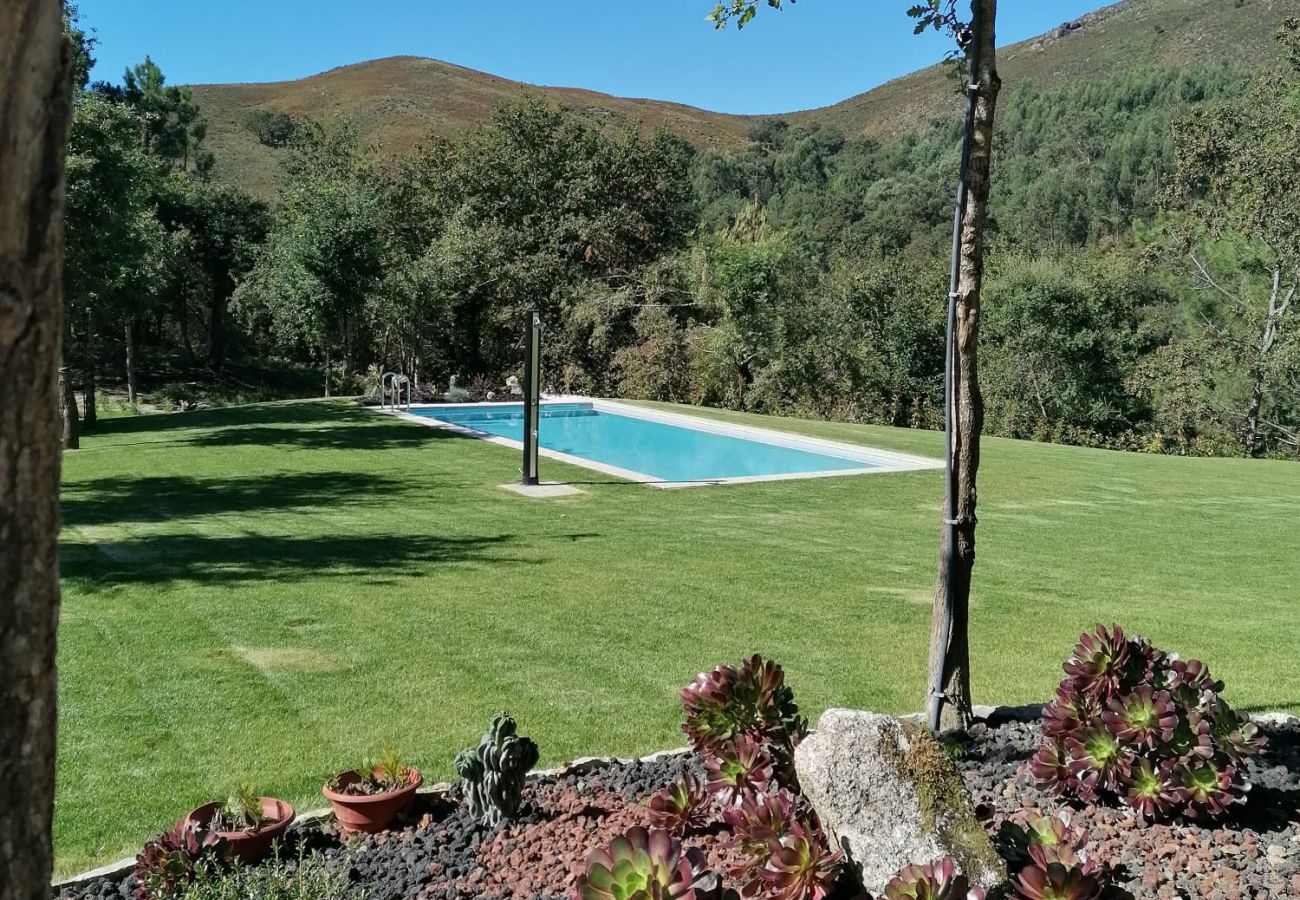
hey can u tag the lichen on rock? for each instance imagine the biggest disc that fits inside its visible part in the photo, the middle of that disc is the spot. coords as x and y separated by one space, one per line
891 797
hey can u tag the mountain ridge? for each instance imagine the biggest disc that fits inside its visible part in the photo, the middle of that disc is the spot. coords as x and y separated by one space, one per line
398 102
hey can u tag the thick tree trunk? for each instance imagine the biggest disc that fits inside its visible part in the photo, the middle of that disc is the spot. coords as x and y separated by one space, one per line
130 360
35 112
956 564
88 373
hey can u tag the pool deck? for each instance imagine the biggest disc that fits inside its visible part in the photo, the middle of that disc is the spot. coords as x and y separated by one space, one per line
875 462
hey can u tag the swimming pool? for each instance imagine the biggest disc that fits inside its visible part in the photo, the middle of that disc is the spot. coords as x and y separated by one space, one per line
664 448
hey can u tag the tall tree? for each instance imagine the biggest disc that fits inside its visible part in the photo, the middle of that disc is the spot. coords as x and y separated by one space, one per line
35 112
949 668
1237 171
311 281
173 128
114 240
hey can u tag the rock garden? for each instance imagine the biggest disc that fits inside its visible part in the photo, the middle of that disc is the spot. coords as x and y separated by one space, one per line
1137 780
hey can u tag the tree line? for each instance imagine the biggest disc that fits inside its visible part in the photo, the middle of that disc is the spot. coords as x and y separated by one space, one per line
1142 258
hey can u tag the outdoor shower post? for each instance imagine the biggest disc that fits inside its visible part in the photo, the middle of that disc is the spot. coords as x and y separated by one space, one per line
532 395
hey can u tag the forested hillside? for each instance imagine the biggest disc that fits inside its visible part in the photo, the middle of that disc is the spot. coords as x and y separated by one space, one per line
1144 254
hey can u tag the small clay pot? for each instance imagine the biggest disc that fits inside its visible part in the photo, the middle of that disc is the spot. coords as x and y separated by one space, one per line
370 813
249 846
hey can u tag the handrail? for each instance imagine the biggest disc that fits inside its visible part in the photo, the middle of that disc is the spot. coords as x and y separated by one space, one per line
399 381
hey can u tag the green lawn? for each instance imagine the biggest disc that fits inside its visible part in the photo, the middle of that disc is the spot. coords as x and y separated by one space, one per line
269 593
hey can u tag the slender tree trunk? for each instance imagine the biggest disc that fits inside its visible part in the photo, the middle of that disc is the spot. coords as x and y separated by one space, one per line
1277 309
181 310
35 112
88 364
955 567
130 360
70 430
327 371
217 330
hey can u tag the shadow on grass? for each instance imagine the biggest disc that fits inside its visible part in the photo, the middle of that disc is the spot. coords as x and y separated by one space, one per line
103 501
316 426
164 559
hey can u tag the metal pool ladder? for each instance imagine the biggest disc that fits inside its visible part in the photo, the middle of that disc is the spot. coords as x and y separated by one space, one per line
390 391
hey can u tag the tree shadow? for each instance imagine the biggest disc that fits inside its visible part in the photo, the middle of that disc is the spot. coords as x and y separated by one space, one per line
243 559
158 498
297 425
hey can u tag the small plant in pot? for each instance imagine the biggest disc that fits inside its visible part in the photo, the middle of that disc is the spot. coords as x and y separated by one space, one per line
368 798
247 825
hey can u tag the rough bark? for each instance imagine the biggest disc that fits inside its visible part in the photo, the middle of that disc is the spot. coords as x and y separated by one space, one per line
35 112
130 360
88 373
955 568
69 427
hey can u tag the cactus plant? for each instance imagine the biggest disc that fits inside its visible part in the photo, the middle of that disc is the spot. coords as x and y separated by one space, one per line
493 774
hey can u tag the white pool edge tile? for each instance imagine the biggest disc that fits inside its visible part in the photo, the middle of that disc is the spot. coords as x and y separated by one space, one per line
879 461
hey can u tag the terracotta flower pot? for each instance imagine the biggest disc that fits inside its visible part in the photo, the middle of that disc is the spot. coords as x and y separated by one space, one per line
370 813
249 846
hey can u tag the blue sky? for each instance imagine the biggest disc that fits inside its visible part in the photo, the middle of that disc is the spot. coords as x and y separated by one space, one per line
812 54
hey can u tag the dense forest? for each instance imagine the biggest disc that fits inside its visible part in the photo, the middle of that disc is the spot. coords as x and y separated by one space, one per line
1144 257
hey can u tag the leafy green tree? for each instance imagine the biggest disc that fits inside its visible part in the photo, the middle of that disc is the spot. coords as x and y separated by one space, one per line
323 255
114 242
1236 172
213 234
173 128
1062 336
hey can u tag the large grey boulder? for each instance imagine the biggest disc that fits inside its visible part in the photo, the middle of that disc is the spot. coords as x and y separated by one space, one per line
890 796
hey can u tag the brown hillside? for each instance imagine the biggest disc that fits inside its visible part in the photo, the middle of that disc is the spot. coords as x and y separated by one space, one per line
1115 38
398 102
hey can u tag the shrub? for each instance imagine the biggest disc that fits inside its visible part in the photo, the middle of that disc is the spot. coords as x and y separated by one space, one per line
1135 723
640 865
679 807
937 881
169 860
751 702
308 878
493 775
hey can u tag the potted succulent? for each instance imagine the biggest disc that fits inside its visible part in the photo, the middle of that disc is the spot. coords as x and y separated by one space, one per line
368 798
246 824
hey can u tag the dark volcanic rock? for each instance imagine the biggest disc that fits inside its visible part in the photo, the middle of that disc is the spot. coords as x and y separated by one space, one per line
443 855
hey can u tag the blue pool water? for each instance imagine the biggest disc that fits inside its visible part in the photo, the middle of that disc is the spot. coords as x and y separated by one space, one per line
658 449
